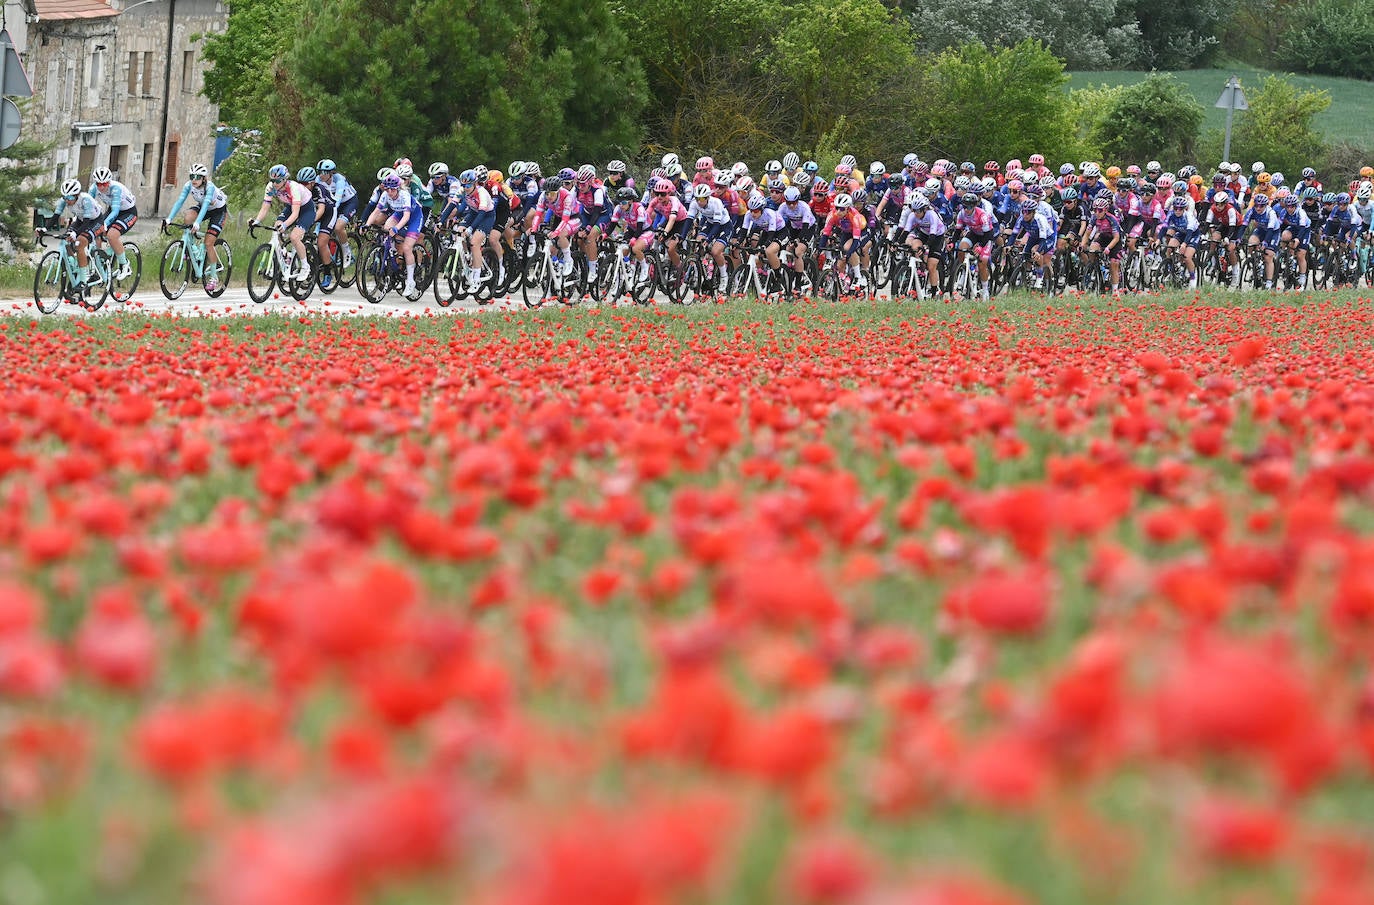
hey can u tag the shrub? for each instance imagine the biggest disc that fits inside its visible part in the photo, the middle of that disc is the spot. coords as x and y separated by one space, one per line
1335 37
1277 128
1158 117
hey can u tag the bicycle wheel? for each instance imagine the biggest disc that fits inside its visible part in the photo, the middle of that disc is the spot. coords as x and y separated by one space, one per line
689 282
346 269
262 274
373 280
123 290
50 283
424 270
226 269
901 277
534 279
172 274
314 251
445 292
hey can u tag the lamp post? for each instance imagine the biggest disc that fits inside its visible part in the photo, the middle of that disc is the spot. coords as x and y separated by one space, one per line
166 100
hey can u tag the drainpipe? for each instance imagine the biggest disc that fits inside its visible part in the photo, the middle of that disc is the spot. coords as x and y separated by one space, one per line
160 175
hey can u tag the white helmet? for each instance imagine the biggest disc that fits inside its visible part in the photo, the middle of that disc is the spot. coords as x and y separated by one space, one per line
961 184
673 170
933 184
669 159
723 178
773 166
701 191
72 187
1365 191
441 169
405 171
198 169
1153 167
877 168
517 169
385 172
790 160
849 160
740 169
989 183
1257 167
101 174
910 160
843 202
615 166
1091 171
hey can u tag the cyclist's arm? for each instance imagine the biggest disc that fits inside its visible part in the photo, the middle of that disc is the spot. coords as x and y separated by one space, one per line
181 199
115 197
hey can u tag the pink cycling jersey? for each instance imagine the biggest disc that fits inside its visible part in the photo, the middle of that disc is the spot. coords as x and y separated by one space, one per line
564 207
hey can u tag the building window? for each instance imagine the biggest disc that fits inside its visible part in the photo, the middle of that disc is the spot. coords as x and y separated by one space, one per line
147 73
133 73
118 156
188 73
148 152
50 96
93 82
69 87
169 177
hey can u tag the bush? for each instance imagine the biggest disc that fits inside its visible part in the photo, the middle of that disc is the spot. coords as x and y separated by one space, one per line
1088 107
1335 37
1004 103
1182 35
1155 118
1277 128
1085 34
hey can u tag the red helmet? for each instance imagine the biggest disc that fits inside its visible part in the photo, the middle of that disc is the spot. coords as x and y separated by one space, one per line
991 166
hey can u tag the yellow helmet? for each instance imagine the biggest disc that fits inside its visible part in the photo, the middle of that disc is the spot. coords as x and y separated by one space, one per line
496 177
1113 172
1263 178
1195 179
1366 172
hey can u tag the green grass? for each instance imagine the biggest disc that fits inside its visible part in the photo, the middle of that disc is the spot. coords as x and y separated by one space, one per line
1349 118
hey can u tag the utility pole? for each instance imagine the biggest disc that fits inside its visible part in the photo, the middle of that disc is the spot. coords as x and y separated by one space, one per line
1231 100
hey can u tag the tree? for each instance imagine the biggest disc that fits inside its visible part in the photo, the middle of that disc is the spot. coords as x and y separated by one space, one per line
1005 103
242 57
1336 38
1277 128
1085 34
1156 118
1181 35
23 186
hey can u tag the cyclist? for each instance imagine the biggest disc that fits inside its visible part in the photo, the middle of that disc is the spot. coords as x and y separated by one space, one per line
1071 221
1039 238
822 200
1104 238
1344 223
208 205
122 213
1181 231
413 184
668 217
848 220
1297 230
764 229
617 178
800 222
297 213
507 203
84 220
556 202
403 218
345 206
978 228
923 232
323 203
444 187
709 217
628 217
1268 232
479 219
1225 224
596 212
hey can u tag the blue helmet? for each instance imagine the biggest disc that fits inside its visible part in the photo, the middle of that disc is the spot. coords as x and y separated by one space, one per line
1029 206
467 177
306 175
326 166
1329 198
811 167
1343 198
278 171
392 181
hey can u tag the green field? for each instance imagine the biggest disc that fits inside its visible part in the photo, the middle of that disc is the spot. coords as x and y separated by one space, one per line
1349 118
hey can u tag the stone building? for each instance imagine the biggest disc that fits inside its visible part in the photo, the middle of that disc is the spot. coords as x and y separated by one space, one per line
117 84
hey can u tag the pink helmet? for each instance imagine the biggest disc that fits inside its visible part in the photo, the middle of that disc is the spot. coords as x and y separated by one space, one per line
1037 160
1164 181
705 163
1015 185
663 187
1132 170
938 170
1014 163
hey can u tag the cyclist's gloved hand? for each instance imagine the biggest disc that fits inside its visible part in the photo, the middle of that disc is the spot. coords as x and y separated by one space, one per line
391 231
253 224
164 224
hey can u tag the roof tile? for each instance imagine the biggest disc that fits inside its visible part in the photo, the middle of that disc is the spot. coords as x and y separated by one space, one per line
74 9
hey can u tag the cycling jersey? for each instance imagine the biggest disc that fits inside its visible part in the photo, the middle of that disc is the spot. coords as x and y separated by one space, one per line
734 205
197 198
1226 219
342 190
290 194
1088 191
630 216
1341 223
1104 227
850 221
404 209
1184 226
664 208
83 208
1268 226
562 207
116 200
445 188
711 218
977 222
766 220
798 216
320 194
591 199
927 224
419 193
1071 219
821 206
1038 230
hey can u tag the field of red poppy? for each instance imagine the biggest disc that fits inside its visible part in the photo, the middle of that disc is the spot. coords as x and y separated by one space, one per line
830 605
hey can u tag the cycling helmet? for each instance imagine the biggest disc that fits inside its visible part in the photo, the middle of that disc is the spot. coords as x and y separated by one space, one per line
1286 197
385 172
1037 160
811 167
1100 203
931 187
991 166
772 167
859 197
757 202
306 175
326 166
723 178
1034 190
1187 172
776 185
1015 185
1261 200
790 160
1147 188
663 187
1069 194
405 170
1164 181
746 185
1047 182
701 191
441 169
967 167
625 193
1179 203
802 179
1113 172
392 181
1066 169
820 189
568 174
849 160
1309 173
278 171
672 170
938 170
970 199
1257 167
843 169
467 177
669 159
704 164
989 184
740 169
1310 193
1153 167
1366 172
481 172
1133 170
1091 171
1014 163
921 170
1343 198
532 169
1365 191
1263 178
554 183
1277 178
918 202
1029 206
1178 188
792 194
1221 198
657 173
615 166
1218 179
585 174
961 184
496 176
1126 184
843 202
71 188
516 169
877 168
198 169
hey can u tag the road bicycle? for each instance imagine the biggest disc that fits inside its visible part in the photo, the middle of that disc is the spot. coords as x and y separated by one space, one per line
455 259
55 280
273 266
343 259
384 268
184 262
563 280
623 279
910 275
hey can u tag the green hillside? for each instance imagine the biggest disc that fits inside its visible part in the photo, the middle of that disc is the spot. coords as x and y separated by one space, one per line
1349 118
